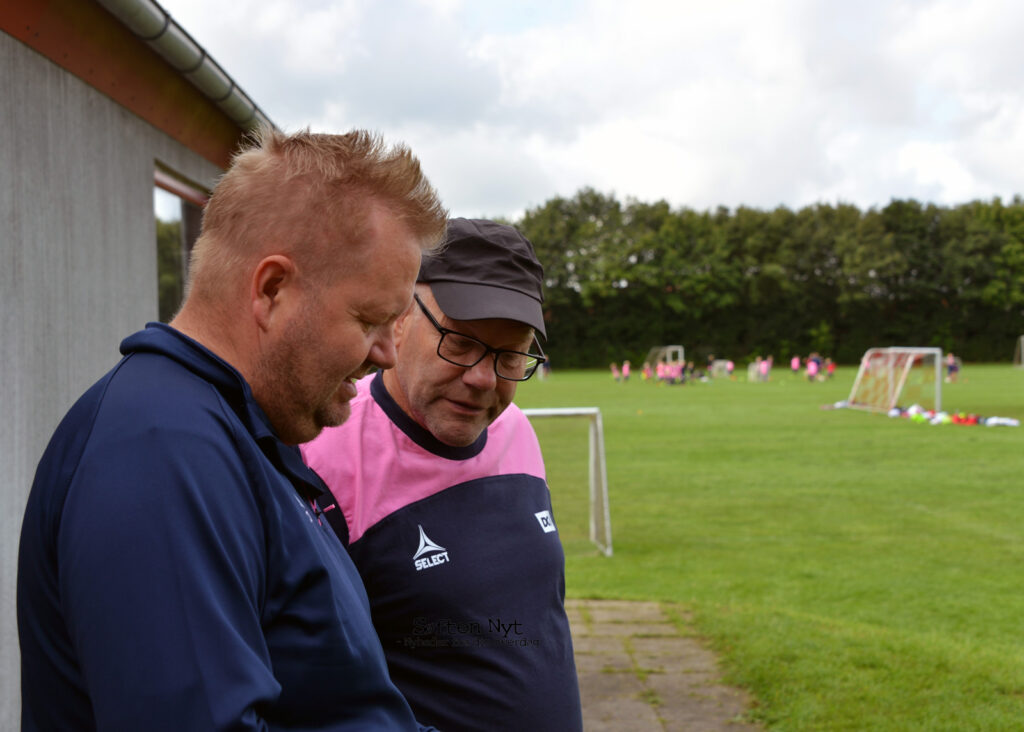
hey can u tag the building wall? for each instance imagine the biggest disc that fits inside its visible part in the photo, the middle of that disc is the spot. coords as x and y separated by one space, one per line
77 271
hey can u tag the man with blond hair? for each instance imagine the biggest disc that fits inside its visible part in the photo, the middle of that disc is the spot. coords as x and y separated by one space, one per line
175 571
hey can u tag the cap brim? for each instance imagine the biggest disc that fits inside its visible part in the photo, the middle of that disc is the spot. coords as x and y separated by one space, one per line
463 301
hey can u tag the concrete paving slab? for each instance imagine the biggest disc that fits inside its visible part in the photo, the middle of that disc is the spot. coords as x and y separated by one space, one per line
639 612
597 644
616 701
603 662
632 629
640 672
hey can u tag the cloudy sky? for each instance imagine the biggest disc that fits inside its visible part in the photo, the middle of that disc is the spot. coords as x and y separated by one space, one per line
740 102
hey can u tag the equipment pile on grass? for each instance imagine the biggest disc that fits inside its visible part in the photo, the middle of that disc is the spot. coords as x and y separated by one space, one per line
917 413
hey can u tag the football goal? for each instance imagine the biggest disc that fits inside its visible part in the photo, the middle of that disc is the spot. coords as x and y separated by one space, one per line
668 354
1018 353
900 375
600 518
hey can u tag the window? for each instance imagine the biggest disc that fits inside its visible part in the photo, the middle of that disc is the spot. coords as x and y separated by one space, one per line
177 206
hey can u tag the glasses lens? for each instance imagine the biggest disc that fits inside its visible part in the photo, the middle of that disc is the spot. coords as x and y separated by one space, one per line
511 365
516 366
460 350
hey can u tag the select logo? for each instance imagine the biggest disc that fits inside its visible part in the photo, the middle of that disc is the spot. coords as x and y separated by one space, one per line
430 554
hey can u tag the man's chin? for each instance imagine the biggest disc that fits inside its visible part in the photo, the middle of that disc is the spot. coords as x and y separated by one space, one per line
323 419
336 415
459 436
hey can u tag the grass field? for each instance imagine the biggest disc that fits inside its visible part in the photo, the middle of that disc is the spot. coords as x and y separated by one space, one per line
855 572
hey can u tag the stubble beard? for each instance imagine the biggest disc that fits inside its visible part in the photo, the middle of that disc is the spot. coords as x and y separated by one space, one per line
454 429
299 407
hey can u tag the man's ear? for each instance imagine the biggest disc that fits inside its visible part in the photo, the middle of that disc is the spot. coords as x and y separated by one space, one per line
403 323
272 289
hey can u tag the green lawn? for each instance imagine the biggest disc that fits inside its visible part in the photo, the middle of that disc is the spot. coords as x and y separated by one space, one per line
855 572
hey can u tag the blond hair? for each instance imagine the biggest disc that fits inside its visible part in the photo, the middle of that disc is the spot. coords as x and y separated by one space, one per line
306 196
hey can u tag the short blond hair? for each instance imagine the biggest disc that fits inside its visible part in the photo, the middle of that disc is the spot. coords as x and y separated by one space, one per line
306 195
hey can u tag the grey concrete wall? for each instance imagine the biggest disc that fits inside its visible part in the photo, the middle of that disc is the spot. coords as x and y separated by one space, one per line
77 272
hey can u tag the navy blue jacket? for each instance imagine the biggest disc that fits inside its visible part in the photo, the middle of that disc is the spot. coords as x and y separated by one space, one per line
173 574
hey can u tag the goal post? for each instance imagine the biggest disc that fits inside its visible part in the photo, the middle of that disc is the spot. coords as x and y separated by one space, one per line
668 354
600 518
887 374
1018 353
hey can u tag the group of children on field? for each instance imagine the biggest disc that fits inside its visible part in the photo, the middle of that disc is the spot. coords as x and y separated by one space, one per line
814 366
665 372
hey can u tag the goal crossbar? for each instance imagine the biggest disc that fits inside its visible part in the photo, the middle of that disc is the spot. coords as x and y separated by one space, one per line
600 518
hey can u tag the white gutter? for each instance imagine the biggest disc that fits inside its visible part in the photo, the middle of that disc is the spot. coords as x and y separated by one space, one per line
154 25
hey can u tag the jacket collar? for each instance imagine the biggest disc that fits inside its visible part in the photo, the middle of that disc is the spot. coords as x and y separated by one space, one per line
166 341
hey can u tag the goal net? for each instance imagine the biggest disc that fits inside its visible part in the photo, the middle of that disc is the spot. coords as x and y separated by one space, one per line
668 354
898 376
1018 353
600 518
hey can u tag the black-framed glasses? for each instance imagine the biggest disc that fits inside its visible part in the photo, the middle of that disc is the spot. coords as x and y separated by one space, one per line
467 351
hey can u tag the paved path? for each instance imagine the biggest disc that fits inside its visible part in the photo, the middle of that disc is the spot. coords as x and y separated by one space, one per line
638 672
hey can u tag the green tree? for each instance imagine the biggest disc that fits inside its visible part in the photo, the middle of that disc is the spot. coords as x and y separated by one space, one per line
170 269
623 277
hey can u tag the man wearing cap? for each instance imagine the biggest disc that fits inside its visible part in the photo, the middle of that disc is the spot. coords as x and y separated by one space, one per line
441 497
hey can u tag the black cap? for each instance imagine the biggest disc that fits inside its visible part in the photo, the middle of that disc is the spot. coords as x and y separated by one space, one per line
486 270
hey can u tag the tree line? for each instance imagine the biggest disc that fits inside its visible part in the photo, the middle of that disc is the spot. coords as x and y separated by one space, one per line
622 277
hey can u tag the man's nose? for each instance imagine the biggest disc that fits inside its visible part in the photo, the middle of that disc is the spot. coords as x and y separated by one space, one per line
482 375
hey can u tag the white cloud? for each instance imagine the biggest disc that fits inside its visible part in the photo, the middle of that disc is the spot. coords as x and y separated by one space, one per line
935 166
749 102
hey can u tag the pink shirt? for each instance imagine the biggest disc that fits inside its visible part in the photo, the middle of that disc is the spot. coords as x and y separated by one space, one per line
374 469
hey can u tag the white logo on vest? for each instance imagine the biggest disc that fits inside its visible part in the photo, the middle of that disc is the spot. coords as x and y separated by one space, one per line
426 547
546 522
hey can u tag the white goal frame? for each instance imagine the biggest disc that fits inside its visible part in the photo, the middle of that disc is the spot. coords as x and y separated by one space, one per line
897 376
673 354
1018 353
600 518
